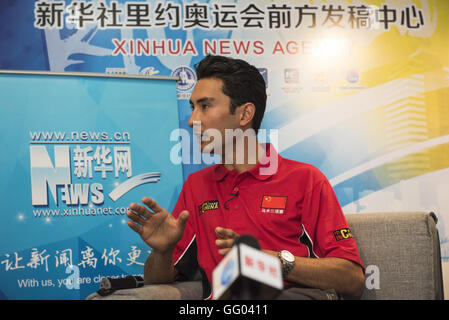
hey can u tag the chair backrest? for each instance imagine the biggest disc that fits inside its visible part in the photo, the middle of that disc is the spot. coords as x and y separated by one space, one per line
401 254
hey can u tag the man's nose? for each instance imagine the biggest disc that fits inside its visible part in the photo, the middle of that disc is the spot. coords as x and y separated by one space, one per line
193 117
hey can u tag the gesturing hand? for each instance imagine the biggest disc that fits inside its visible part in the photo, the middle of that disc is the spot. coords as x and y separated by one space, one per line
157 227
226 239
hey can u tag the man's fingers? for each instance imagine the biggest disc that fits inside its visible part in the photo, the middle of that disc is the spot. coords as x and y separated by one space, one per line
224 233
224 243
182 219
223 252
135 227
135 217
150 203
137 208
226 240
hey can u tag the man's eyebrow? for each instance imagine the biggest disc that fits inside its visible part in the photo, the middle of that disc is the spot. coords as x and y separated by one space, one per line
201 100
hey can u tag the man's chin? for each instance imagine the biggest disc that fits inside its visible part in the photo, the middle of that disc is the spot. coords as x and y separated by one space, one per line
209 148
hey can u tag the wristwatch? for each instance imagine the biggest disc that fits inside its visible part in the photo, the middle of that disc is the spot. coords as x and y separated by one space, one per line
287 261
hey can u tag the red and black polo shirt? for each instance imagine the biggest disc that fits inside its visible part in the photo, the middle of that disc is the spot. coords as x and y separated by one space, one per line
293 208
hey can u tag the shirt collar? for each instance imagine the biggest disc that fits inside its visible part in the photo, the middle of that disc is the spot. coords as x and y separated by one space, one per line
263 170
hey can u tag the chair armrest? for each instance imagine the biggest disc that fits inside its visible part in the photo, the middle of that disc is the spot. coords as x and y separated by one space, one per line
189 290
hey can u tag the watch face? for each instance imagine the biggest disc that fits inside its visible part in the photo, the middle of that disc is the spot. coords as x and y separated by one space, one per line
287 255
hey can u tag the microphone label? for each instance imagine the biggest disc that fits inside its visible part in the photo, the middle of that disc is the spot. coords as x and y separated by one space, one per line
225 273
228 272
260 266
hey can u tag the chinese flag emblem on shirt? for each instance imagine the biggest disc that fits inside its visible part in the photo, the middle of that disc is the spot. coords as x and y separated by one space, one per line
272 202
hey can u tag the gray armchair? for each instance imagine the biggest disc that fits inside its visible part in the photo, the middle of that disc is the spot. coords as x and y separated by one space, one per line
400 251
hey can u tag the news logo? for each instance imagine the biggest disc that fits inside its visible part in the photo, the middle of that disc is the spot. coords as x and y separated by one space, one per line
264 73
187 78
71 172
149 71
291 75
352 76
228 273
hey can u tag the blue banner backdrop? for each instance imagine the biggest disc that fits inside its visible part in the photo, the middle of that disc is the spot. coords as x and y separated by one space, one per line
76 151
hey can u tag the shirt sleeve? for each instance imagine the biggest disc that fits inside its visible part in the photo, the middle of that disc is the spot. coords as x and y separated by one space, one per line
326 223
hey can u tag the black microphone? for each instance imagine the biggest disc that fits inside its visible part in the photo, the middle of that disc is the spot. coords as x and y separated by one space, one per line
247 239
247 273
234 193
109 285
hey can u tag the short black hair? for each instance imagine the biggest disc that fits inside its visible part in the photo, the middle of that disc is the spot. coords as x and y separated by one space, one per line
242 83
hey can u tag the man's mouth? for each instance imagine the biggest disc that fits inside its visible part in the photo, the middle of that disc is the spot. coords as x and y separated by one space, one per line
205 137
202 137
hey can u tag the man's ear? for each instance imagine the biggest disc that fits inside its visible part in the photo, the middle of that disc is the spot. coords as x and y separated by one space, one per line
247 113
